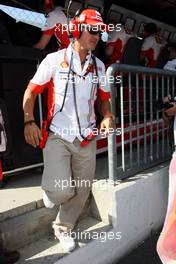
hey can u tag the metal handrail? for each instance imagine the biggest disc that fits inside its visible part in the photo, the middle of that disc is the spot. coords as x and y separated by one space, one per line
138 69
111 71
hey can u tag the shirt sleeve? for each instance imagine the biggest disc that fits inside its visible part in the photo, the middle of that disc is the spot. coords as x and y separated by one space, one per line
54 17
104 89
49 32
41 78
170 65
50 21
148 43
113 36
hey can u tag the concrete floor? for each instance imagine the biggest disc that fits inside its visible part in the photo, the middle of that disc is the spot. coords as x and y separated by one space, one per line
144 254
24 188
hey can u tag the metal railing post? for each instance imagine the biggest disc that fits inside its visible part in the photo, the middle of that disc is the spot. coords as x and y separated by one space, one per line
112 153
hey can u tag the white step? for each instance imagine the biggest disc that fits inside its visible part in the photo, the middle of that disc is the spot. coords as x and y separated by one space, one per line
21 230
48 250
21 195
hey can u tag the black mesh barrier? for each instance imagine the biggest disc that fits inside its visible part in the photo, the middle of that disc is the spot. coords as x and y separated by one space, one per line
17 66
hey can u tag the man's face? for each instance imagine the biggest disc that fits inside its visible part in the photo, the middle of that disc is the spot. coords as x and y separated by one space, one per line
89 41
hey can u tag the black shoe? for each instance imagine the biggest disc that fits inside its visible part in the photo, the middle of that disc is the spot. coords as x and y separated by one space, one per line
9 257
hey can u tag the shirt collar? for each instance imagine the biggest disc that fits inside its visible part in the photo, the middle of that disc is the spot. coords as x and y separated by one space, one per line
76 62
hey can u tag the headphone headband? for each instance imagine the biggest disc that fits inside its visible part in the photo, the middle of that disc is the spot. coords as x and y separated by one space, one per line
89 17
79 11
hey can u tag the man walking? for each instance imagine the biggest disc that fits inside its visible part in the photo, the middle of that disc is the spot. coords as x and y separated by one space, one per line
70 153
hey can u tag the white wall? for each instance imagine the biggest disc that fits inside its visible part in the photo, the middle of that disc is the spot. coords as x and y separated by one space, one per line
138 207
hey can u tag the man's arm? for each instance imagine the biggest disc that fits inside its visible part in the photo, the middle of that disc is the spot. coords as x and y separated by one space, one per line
28 105
106 109
32 133
104 101
171 111
109 50
37 85
107 121
43 42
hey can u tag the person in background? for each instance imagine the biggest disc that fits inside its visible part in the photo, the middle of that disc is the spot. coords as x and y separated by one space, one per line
166 244
171 64
56 24
116 44
151 46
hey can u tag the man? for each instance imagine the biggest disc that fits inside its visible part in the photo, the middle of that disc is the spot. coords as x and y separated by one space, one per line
116 45
55 22
69 156
171 64
151 46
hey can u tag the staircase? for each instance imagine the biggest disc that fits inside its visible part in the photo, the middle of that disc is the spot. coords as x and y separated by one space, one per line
25 224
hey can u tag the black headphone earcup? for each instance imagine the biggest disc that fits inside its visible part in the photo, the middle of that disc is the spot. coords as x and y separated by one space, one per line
74 29
76 32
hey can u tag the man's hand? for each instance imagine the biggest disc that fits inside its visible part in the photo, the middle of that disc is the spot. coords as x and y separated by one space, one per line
167 114
106 125
166 118
32 134
171 111
167 99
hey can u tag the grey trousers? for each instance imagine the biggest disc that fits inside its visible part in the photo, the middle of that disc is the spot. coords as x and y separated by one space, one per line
67 178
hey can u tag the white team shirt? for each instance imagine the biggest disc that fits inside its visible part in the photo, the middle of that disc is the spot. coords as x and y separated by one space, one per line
54 17
122 35
170 65
65 123
150 42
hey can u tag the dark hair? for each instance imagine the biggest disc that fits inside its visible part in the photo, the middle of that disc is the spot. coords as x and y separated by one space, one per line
151 28
59 3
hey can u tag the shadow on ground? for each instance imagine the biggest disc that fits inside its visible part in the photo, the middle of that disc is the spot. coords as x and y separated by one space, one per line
144 254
